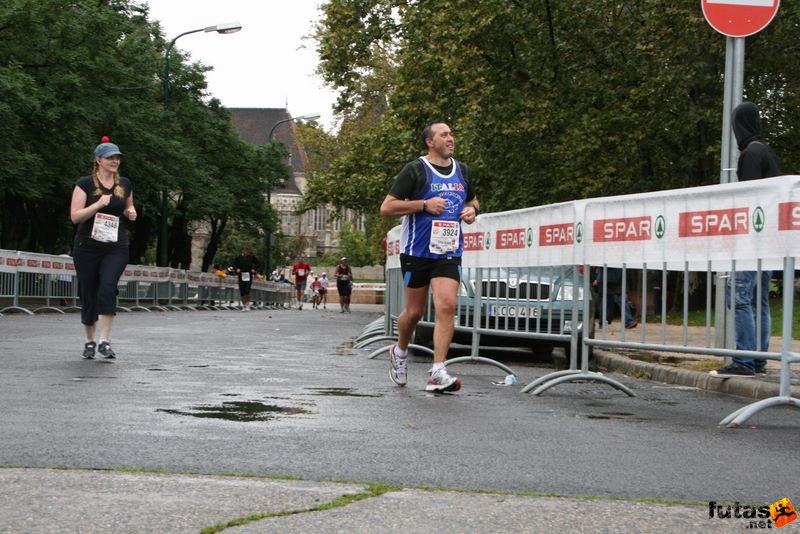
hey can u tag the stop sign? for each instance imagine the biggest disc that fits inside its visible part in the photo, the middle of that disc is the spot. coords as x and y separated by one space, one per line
739 18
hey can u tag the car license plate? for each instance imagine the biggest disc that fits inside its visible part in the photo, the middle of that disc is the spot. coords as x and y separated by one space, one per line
522 312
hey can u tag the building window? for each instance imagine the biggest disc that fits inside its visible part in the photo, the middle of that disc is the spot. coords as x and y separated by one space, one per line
319 218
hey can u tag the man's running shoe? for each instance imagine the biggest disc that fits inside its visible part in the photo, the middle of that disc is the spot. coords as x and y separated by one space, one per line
441 382
105 351
88 350
397 368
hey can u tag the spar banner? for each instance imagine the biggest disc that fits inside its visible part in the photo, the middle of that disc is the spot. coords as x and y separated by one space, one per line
31 262
546 235
695 227
177 276
393 248
743 221
145 273
9 261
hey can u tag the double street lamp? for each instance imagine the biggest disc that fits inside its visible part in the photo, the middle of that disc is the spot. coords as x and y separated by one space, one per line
309 117
225 28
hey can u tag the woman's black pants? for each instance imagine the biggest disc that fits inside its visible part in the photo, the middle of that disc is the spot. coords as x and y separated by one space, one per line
99 267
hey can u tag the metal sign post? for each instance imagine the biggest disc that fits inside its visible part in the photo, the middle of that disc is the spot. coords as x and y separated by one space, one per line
735 19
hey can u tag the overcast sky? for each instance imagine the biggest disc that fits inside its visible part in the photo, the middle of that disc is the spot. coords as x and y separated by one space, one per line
268 64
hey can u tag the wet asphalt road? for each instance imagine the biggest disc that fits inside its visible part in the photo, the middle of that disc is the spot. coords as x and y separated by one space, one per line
282 393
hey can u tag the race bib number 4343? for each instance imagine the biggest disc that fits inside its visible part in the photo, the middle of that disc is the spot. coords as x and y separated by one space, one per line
105 228
444 236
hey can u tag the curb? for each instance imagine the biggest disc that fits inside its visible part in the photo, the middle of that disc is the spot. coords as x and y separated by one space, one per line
753 388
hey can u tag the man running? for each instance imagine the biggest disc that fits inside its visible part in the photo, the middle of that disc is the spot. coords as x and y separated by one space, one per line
433 195
245 266
300 271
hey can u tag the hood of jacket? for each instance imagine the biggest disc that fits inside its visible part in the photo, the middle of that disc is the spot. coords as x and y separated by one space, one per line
746 124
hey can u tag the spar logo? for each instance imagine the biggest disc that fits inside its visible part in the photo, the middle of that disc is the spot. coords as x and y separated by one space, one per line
788 216
623 229
473 241
661 226
514 238
556 235
732 221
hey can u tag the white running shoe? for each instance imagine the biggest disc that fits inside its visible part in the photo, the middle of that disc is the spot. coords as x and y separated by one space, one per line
441 382
397 368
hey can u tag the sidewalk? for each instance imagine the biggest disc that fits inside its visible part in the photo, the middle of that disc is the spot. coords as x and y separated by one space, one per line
101 501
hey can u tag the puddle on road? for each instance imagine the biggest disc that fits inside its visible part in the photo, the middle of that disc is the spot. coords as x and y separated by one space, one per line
156 369
240 411
81 378
609 415
662 402
339 392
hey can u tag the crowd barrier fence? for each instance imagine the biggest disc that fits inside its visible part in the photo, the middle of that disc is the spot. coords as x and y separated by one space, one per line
37 283
526 275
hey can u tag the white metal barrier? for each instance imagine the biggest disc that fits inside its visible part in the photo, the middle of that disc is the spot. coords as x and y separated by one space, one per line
32 283
711 231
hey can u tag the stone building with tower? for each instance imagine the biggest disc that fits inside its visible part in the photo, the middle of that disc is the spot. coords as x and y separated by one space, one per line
319 233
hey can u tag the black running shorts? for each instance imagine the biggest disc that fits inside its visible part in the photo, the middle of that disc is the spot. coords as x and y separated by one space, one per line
418 272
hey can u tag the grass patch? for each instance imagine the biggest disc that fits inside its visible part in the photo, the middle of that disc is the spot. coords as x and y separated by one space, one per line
373 490
378 489
703 366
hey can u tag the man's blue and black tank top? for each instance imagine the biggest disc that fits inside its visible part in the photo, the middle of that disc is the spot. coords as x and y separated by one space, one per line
416 228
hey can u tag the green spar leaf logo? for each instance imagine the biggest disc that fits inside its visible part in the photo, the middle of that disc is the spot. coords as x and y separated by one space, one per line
579 232
488 240
661 226
530 236
758 219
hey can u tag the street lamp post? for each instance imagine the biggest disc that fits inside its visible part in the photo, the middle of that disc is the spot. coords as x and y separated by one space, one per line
310 117
225 28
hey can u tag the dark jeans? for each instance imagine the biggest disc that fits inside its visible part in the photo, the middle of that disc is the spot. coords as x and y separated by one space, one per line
99 267
746 304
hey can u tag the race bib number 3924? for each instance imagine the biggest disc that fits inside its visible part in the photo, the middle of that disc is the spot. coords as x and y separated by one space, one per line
444 236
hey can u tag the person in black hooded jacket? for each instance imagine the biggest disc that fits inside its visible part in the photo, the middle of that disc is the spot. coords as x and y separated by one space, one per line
756 161
756 158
